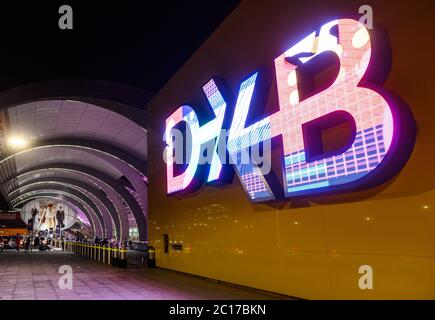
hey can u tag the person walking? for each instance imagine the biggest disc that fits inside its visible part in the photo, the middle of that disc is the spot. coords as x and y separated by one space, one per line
63 243
27 244
34 212
17 242
36 242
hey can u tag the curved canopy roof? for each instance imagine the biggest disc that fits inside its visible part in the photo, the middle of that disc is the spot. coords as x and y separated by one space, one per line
89 154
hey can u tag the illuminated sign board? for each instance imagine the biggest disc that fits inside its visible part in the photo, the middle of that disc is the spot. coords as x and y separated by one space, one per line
337 129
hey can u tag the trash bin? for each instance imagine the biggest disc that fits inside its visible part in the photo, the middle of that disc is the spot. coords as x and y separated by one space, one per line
151 257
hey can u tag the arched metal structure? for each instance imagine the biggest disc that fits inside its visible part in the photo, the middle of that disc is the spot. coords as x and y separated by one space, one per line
57 173
127 101
98 228
103 178
44 182
98 194
122 155
72 192
94 129
68 199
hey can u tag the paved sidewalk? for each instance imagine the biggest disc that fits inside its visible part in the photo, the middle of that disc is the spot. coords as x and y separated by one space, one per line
36 275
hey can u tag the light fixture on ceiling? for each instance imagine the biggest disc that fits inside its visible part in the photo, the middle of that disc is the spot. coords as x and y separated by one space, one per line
17 142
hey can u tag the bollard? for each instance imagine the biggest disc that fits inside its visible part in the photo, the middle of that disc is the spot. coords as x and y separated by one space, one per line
115 255
109 254
122 261
93 252
104 254
99 253
151 263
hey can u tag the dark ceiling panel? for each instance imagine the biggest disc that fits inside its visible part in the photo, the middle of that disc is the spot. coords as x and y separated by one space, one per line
139 43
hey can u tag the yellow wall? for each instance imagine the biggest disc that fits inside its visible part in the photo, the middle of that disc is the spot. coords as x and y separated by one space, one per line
313 248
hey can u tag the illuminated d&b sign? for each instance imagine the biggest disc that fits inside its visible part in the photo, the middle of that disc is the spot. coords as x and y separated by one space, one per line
337 128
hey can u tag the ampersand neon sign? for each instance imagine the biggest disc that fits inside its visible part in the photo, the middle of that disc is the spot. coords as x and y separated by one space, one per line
380 131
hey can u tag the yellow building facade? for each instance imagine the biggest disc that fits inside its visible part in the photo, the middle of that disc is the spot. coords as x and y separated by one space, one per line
308 248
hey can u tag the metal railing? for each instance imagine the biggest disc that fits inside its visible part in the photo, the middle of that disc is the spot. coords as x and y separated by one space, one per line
115 255
112 254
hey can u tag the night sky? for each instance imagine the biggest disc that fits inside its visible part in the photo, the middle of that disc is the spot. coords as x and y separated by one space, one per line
138 43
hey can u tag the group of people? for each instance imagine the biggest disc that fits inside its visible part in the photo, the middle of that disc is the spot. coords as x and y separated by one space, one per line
105 241
28 244
47 217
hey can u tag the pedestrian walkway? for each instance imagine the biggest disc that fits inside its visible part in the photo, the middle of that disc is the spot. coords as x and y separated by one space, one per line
35 275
